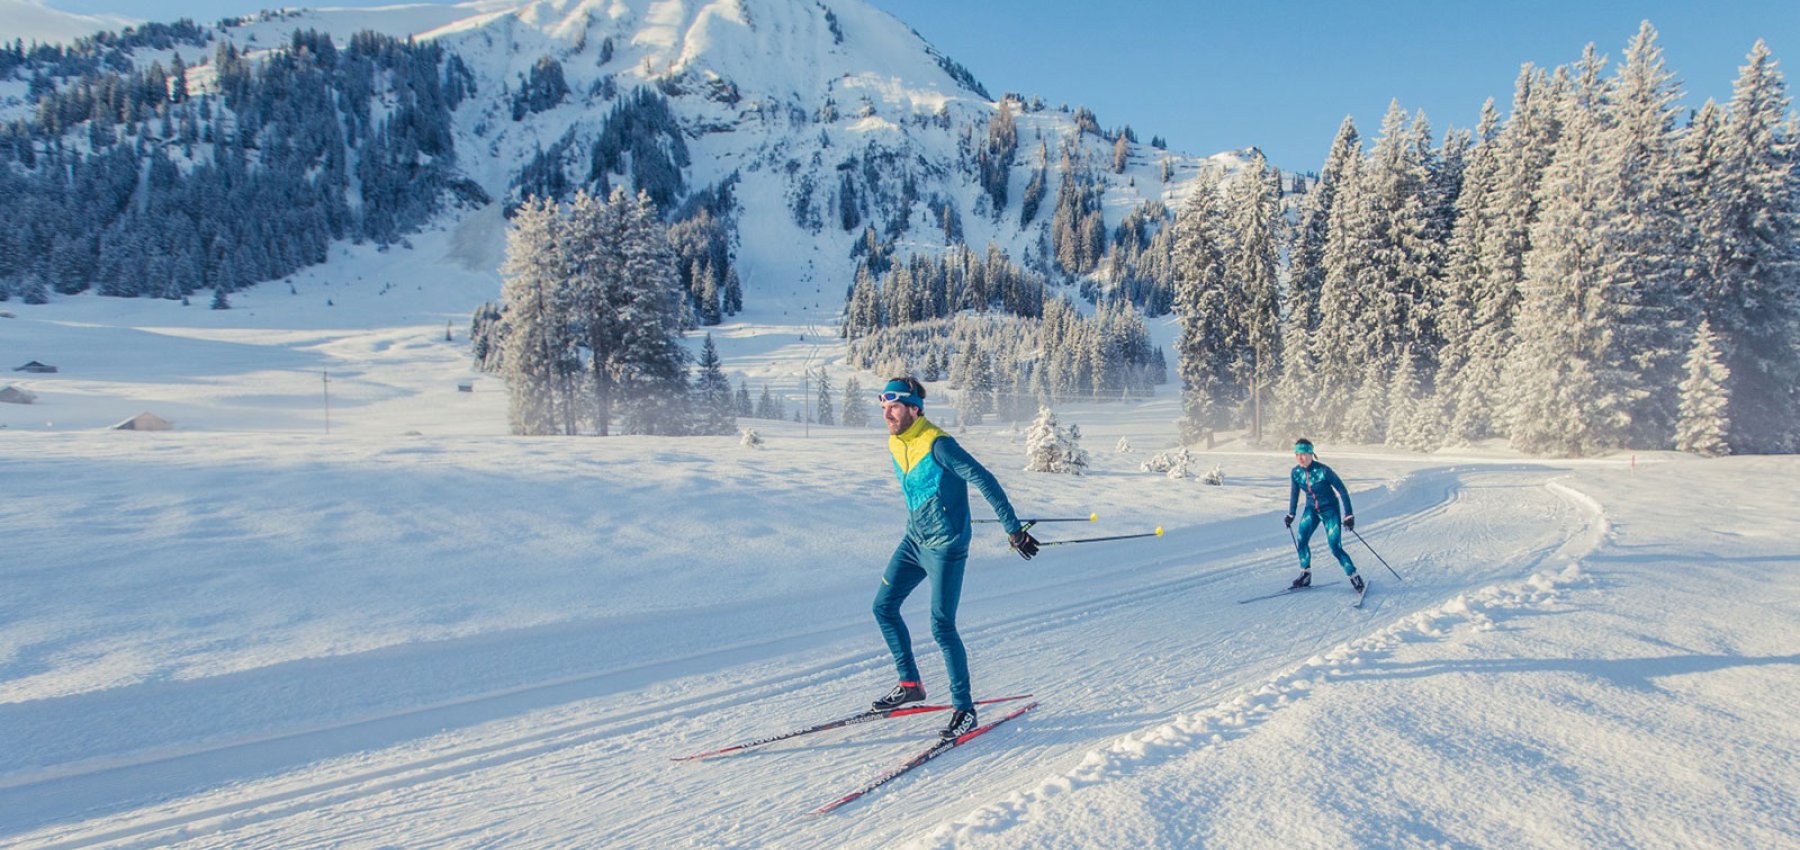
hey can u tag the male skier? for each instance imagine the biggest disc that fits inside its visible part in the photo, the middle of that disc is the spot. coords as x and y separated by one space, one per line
935 474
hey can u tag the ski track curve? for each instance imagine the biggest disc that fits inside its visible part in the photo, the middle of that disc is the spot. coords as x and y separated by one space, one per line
1176 669
1240 715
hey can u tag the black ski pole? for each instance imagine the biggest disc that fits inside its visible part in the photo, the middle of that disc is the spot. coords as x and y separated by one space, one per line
1375 553
1088 518
1157 533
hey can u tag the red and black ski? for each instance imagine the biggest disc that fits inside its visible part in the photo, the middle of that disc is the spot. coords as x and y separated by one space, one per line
851 720
930 753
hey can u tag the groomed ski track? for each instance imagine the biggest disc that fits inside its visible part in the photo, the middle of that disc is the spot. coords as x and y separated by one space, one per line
1113 640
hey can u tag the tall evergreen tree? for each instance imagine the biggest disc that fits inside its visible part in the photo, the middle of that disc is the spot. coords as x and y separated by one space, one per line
745 408
1645 235
1252 273
1203 355
1572 389
856 404
1522 153
651 366
715 408
1705 422
825 402
534 340
1747 261
1466 270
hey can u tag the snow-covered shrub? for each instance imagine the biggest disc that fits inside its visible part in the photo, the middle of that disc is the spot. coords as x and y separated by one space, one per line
1051 448
1216 477
1124 446
1176 463
750 439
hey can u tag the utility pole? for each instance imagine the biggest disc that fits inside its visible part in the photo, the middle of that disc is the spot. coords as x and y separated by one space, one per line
1256 431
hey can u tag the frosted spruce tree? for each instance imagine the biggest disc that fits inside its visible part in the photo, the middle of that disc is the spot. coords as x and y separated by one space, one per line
715 407
825 416
593 257
856 405
1522 152
1462 383
1349 282
1252 271
651 365
1202 350
1051 448
1299 386
1646 238
1704 418
535 341
1402 232
1741 168
745 408
1571 389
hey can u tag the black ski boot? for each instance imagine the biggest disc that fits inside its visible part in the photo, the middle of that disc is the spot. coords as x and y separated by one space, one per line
961 723
1356 583
902 694
1305 580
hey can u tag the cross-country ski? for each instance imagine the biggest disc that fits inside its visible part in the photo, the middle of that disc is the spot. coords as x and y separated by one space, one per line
924 756
860 717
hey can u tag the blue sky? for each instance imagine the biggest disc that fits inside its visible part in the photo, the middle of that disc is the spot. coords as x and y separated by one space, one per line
1211 76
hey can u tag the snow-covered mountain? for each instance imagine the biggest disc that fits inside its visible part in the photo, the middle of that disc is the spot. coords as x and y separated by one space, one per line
833 116
32 21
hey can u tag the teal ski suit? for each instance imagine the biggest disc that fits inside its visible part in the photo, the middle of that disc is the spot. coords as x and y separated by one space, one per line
1323 488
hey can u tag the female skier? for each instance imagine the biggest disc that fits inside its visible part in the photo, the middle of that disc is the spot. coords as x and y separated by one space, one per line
1323 489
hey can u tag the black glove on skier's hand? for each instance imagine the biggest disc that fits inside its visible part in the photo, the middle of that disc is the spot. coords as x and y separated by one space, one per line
1288 520
1025 543
1350 522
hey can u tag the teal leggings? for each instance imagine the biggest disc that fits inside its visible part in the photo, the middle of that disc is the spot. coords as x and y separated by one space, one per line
1334 536
910 565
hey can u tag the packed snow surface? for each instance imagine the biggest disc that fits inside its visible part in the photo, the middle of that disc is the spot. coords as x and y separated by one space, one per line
414 630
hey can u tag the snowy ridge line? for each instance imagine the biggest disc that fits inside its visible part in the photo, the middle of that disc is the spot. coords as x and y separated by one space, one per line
1478 611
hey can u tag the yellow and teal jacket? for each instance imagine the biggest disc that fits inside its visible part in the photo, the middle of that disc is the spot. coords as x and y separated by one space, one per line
935 474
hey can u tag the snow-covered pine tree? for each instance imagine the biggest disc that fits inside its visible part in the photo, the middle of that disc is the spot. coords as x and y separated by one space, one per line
744 406
856 405
768 407
1252 272
825 416
1466 270
1074 457
1049 447
534 340
651 365
1338 347
1523 150
1043 445
1747 264
1704 423
1571 388
1203 358
1647 234
1399 312
715 410
590 240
